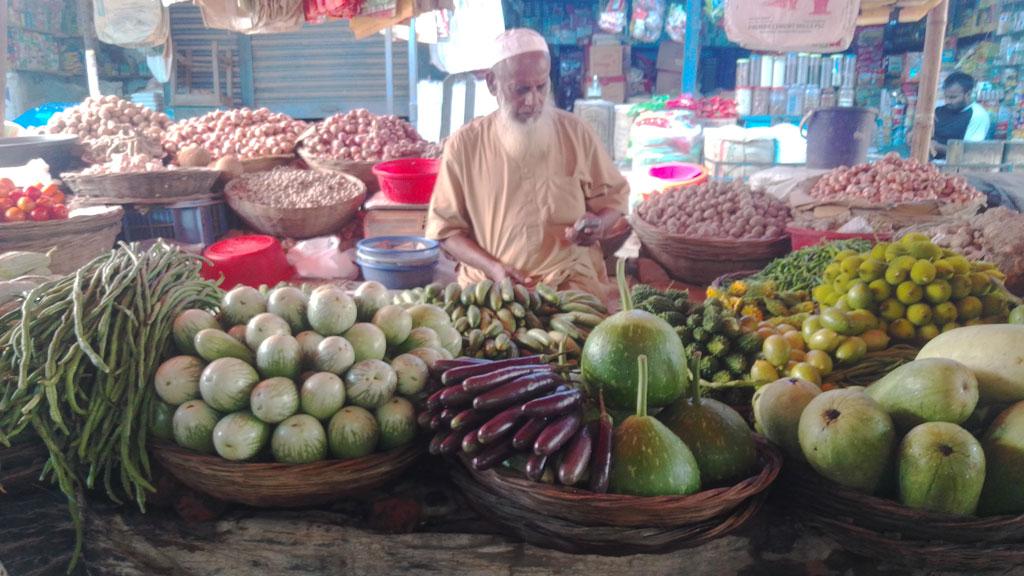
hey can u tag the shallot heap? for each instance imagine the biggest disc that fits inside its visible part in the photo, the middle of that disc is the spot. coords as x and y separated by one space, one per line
243 132
894 180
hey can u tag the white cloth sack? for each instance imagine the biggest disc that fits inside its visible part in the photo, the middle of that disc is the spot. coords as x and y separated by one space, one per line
792 25
131 23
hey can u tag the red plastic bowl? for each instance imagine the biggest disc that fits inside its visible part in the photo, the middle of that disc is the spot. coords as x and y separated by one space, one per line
675 174
803 237
408 180
249 260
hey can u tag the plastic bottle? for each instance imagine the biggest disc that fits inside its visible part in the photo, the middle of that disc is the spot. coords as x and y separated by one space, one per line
796 94
899 108
777 100
812 94
594 90
743 85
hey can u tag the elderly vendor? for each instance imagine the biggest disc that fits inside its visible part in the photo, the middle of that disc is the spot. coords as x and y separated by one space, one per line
526 192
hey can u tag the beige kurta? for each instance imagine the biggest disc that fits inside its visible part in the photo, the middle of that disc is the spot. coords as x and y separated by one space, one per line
518 213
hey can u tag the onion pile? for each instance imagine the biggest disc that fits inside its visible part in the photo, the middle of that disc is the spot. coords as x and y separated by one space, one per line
894 180
243 132
126 163
360 135
100 123
716 210
292 188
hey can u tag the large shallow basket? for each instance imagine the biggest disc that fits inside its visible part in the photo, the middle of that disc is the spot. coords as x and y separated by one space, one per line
143 187
580 521
295 222
361 170
885 529
265 163
701 260
88 233
274 485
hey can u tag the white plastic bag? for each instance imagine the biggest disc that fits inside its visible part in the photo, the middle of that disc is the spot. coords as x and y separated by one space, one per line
792 25
160 60
322 258
131 23
657 137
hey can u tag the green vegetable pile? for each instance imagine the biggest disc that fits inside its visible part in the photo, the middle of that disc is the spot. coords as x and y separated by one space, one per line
802 270
727 346
78 358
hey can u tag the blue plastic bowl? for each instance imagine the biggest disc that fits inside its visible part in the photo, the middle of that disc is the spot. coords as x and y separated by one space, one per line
382 260
398 276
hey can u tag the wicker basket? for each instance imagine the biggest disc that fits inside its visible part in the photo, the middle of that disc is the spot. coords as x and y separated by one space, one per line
361 170
701 260
295 222
883 528
266 163
88 233
142 187
579 521
274 485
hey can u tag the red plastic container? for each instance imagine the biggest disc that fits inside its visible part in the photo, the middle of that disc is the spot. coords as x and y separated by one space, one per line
803 237
408 180
249 260
675 174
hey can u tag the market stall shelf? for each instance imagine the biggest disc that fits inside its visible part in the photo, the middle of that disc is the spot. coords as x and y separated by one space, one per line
273 485
580 521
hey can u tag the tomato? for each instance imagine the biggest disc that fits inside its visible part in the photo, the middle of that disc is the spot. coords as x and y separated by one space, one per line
57 197
26 204
40 214
59 212
6 185
45 201
51 189
17 194
7 202
14 215
33 192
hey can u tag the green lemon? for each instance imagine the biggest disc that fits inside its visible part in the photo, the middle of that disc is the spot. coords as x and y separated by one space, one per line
938 292
950 326
906 262
895 275
944 270
902 329
981 284
994 305
894 251
842 255
825 340
919 314
831 271
923 272
960 264
806 371
851 264
909 293
880 289
913 237
1017 315
842 283
763 371
960 286
836 320
822 292
924 250
892 309
776 350
811 325
876 339
841 304
820 360
878 251
927 332
861 321
851 351
970 308
860 297
944 313
871 269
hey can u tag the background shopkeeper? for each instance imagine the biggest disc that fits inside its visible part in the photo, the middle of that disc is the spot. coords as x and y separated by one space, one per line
959 118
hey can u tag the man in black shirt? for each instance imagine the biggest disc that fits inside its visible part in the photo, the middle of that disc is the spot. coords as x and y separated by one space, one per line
959 118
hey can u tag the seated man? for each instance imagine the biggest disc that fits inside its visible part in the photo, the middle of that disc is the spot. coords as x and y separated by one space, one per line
526 192
960 118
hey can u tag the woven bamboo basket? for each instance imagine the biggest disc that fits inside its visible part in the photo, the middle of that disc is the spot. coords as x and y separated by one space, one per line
295 222
579 521
361 170
88 233
21 465
701 260
130 188
883 528
274 485
266 163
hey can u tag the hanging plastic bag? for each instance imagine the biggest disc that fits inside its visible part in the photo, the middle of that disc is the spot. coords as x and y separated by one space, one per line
131 23
792 26
648 20
675 22
322 258
613 17
160 61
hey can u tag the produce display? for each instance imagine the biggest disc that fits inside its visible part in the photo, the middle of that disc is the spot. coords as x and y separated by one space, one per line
285 187
105 125
716 210
801 270
241 132
501 320
920 434
297 373
894 180
77 357
359 135
38 203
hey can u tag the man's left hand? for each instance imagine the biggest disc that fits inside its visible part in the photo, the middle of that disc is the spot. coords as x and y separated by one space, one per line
588 230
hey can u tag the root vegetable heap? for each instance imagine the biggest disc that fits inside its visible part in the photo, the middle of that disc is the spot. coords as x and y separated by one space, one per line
716 210
492 411
242 132
292 188
126 163
892 180
101 122
360 135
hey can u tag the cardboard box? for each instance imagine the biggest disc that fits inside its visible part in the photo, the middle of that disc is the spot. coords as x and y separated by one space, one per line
670 56
612 89
605 60
668 82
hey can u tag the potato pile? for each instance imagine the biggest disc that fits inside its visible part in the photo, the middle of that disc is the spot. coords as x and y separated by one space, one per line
126 163
716 210
243 132
102 123
293 188
360 135
894 180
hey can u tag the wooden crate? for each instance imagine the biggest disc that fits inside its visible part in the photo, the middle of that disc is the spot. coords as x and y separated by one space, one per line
974 156
387 218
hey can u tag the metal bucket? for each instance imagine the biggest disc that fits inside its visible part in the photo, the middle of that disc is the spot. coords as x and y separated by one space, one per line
838 136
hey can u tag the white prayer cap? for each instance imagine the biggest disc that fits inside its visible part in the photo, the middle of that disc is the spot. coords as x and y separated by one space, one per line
517 41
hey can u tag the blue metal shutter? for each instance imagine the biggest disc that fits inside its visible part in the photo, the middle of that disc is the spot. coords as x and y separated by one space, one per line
323 69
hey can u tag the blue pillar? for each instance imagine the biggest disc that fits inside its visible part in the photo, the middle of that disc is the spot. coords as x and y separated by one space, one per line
691 51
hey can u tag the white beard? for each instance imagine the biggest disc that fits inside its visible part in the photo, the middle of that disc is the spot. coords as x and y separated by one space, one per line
530 140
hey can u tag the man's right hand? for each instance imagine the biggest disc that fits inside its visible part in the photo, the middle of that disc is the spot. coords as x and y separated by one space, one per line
499 272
